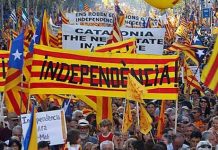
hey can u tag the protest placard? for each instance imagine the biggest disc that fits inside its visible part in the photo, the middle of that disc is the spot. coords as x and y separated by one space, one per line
104 19
149 40
51 126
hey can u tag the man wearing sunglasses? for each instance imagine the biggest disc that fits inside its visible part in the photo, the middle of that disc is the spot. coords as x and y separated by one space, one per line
204 145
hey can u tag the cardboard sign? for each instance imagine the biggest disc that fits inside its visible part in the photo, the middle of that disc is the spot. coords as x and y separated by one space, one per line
51 126
149 40
62 71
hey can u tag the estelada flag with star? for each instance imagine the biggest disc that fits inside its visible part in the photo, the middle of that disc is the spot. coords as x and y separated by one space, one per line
198 51
15 99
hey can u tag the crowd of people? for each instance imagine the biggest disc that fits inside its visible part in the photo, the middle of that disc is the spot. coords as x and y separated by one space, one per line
196 128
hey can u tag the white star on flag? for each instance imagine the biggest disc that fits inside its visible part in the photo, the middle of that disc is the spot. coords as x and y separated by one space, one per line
17 55
200 53
34 38
195 39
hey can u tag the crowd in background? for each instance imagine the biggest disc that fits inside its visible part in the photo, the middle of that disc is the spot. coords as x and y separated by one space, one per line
197 126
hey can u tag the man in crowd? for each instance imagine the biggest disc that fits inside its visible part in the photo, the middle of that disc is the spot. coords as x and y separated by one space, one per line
84 128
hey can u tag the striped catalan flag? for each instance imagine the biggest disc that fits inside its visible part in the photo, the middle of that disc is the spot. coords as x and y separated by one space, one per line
14 34
126 46
86 7
64 19
44 36
190 79
4 55
161 125
59 36
28 34
116 35
104 109
210 72
89 100
15 98
53 40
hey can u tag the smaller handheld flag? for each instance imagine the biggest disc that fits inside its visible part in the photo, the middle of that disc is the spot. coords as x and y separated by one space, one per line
127 118
30 140
145 121
135 90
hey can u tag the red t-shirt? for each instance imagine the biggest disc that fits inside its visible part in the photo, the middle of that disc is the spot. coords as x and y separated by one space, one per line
102 138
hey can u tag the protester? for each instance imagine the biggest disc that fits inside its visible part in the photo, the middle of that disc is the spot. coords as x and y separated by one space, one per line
84 128
14 144
105 128
73 137
43 145
107 145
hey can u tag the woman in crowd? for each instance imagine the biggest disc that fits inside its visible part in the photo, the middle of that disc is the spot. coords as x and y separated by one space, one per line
204 104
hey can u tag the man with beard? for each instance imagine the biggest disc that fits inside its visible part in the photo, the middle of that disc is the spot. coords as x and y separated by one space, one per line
84 127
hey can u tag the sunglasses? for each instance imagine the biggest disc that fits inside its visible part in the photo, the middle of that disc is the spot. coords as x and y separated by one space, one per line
203 101
204 146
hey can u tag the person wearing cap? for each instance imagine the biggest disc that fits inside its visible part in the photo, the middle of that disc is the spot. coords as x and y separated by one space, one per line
84 128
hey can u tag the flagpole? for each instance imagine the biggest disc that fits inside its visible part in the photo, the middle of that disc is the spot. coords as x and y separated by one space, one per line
2 13
21 90
124 113
28 104
1 108
137 112
176 115
2 103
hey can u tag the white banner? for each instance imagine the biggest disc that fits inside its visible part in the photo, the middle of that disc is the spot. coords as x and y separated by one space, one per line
50 126
149 40
104 19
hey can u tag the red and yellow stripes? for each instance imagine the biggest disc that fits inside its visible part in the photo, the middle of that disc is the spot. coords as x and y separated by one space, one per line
104 109
4 56
59 39
210 72
64 19
126 46
44 36
103 62
15 99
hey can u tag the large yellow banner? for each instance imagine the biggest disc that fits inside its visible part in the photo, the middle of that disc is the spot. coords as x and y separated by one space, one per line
4 55
58 71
